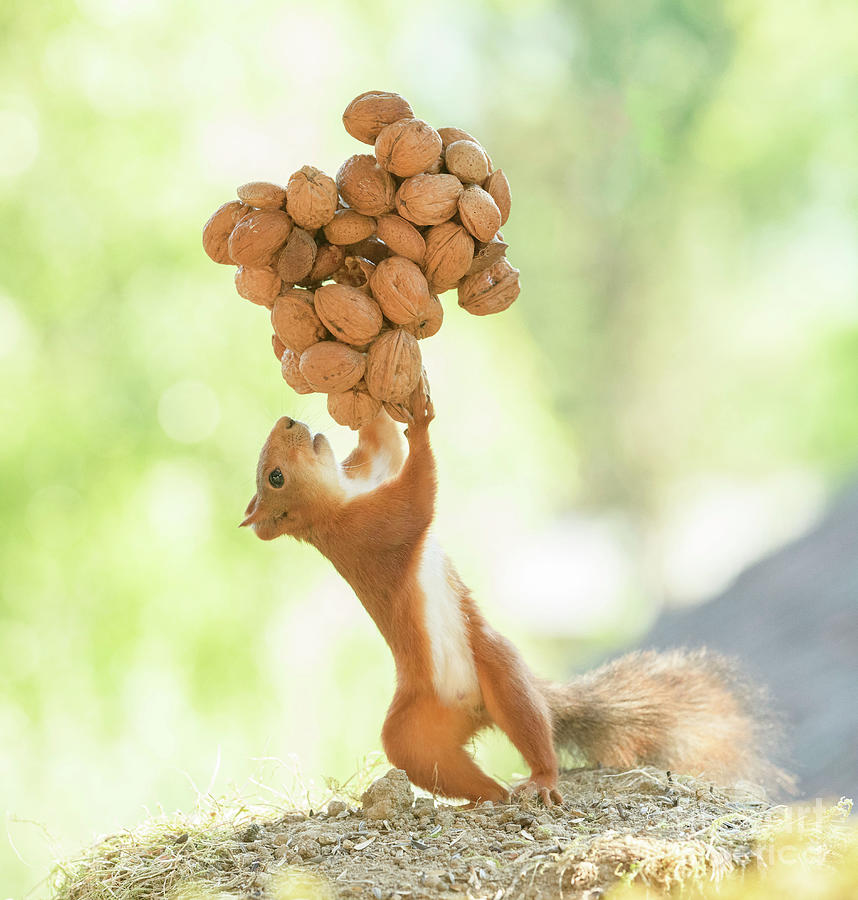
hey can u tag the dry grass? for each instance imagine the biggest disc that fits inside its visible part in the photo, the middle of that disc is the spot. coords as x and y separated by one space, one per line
643 827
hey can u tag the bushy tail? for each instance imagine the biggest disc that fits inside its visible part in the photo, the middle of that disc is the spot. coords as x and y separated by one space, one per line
687 711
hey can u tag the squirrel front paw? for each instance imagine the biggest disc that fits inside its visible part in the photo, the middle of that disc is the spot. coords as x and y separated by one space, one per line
422 409
542 787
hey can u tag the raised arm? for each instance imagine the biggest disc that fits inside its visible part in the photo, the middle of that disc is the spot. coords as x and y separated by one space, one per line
378 455
400 510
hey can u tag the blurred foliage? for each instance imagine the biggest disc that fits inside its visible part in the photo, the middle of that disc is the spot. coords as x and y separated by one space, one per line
685 186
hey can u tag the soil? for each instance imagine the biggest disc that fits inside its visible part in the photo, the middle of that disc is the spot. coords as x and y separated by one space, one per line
644 826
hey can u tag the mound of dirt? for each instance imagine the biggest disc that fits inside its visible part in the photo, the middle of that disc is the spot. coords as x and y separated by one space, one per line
645 825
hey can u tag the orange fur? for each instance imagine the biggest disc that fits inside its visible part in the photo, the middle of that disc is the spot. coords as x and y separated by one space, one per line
377 540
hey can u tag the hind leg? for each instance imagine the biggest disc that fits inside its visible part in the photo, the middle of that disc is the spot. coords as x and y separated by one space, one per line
517 709
426 740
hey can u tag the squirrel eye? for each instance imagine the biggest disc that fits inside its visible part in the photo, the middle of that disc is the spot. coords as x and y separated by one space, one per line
275 478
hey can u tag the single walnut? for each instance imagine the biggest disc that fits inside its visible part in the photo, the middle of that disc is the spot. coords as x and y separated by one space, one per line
393 366
407 147
450 135
331 367
262 195
498 186
428 320
260 286
295 322
400 289
402 237
348 313
291 372
365 186
449 253
296 259
467 161
491 291
479 212
349 227
311 197
329 258
278 347
217 230
428 199
488 254
354 408
255 240
368 113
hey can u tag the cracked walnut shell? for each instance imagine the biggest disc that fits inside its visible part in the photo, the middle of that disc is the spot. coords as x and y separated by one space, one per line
491 291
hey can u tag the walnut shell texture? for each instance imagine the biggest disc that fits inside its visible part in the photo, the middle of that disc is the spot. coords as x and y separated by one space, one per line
332 367
449 254
255 240
217 230
491 291
428 320
428 199
402 237
479 212
295 322
450 135
393 366
402 412
369 112
260 286
262 195
497 184
311 197
365 186
349 227
467 161
348 313
353 408
295 261
329 258
291 372
400 288
407 147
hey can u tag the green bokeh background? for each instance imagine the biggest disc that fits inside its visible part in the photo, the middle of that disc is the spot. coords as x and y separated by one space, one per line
674 392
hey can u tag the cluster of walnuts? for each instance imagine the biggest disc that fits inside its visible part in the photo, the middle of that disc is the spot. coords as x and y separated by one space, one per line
351 268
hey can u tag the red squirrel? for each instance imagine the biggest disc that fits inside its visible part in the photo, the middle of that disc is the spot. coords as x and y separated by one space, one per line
371 517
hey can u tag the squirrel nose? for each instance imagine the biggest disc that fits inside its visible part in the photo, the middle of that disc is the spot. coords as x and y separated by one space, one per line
287 422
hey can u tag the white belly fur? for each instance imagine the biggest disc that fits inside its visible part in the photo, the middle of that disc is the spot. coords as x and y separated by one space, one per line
370 476
454 674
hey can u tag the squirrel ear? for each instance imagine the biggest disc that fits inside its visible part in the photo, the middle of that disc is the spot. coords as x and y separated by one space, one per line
251 512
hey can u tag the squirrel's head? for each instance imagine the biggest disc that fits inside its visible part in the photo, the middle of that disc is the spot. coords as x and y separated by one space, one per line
297 480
